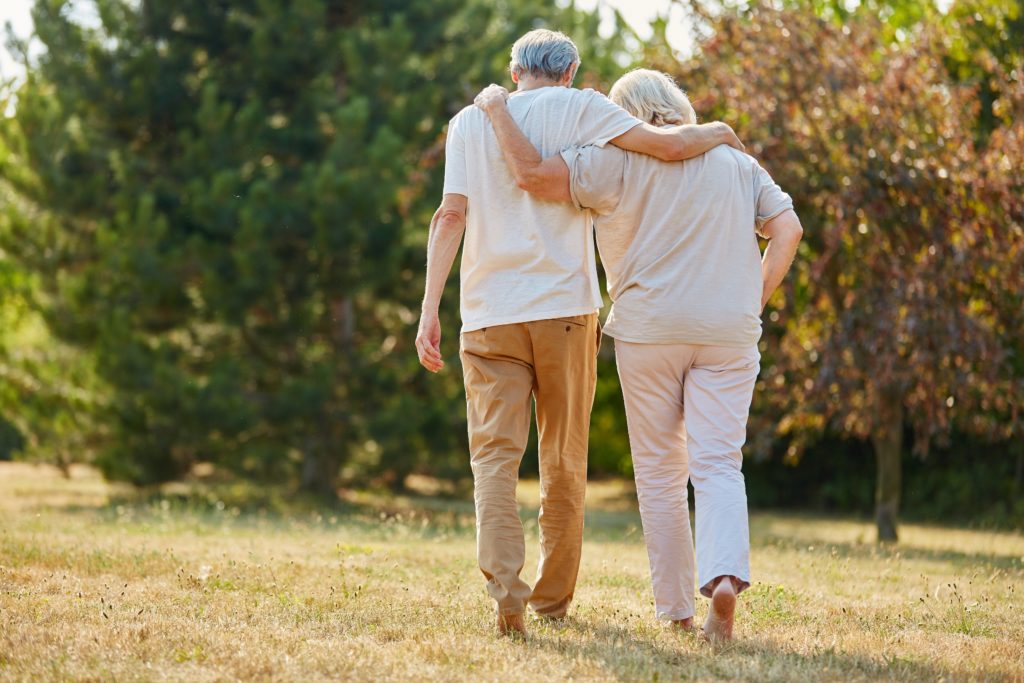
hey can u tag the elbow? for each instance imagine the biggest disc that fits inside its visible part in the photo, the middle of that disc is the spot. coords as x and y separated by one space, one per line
790 228
797 229
681 149
451 221
673 148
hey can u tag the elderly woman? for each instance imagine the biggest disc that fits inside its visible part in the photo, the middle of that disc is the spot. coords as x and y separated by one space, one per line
688 284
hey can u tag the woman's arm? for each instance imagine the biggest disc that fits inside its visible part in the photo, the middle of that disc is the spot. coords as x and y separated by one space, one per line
543 178
784 233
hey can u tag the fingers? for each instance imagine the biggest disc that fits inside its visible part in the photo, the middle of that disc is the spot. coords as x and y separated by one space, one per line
492 95
728 136
429 354
495 90
734 141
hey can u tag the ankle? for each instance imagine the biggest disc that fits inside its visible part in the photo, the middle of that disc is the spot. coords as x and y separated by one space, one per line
511 624
683 624
726 582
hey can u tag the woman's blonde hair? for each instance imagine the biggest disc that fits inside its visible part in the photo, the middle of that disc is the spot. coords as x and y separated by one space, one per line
653 97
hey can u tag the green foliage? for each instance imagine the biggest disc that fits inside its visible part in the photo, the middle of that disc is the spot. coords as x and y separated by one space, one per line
46 388
213 218
609 439
836 476
229 205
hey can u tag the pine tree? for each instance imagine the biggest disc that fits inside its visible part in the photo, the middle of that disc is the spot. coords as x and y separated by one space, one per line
237 196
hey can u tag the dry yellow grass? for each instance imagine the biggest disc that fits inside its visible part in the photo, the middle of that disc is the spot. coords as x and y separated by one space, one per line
172 588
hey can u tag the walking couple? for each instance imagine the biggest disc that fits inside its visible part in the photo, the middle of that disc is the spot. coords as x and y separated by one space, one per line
677 208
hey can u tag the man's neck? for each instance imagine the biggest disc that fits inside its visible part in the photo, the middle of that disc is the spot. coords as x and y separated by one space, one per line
534 83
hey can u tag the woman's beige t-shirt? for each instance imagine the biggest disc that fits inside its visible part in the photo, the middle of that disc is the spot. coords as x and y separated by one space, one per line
678 241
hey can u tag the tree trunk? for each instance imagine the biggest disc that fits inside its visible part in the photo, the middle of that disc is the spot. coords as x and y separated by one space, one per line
320 473
1018 474
322 459
888 442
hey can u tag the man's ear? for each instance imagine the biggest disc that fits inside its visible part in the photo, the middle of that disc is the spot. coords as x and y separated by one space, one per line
570 74
515 76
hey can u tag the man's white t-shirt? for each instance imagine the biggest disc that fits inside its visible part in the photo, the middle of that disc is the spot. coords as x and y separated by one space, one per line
523 258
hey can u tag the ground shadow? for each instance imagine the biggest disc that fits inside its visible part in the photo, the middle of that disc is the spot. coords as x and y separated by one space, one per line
875 551
624 654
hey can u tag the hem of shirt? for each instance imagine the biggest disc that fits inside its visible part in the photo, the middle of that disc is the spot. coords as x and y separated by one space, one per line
569 155
527 318
601 142
682 339
762 221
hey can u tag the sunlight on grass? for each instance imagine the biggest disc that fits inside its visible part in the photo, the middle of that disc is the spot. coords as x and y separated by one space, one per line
99 582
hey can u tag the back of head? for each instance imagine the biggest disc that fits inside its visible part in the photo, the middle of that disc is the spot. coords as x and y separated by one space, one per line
653 97
544 54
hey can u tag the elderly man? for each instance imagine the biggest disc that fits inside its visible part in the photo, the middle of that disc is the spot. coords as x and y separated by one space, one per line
529 296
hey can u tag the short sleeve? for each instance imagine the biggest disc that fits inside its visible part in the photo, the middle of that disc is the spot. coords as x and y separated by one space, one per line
603 120
456 180
771 200
596 177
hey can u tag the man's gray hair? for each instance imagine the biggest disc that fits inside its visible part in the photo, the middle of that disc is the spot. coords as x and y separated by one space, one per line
544 54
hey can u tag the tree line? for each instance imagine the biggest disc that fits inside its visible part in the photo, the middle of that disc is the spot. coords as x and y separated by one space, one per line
214 216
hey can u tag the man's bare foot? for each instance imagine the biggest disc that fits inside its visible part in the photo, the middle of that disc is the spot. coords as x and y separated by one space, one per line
718 626
511 624
683 624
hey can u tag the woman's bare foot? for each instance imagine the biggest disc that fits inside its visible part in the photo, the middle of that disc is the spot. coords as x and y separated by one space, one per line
683 624
718 626
511 624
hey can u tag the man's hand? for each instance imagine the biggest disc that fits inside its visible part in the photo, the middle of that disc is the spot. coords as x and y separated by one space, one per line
428 341
492 96
446 230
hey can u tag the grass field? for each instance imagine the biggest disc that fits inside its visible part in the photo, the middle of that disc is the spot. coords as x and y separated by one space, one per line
98 583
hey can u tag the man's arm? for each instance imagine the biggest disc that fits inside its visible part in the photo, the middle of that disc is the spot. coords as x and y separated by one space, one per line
678 142
549 178
543 178
446 230
784 233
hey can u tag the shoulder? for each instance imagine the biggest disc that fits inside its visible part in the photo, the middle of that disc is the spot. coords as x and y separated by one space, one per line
580 96
591 96
467 118
730 155
724 156
608 156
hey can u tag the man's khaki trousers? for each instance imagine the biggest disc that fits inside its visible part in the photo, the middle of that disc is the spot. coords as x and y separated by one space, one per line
554 363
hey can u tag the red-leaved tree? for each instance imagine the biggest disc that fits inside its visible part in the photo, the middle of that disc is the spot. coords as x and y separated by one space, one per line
904 310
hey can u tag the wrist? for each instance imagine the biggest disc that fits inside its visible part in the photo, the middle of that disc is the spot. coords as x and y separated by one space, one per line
491 106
